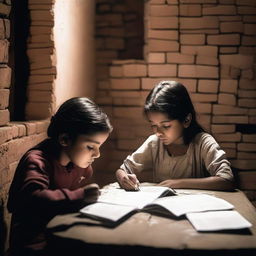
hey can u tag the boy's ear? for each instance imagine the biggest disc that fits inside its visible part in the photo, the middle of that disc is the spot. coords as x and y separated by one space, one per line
187 120
64 139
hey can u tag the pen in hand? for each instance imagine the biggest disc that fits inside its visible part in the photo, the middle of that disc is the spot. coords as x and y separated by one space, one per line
129 171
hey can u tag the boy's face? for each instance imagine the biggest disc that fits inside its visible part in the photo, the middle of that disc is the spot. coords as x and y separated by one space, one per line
168 131
84 149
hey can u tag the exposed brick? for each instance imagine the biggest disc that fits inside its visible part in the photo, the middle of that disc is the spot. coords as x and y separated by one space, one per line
116 71
40 96
180 58
199 23
207 60
205 121
249 18
5 9
198 1
208 86
123 84
232 39
5 77
114 43
247 180
219 10
247 74
249 40
228 85
38 110
40 79
230 119
231 27
149 83
215 128
249 138
237 60
4 117
247 147
190 10
4 48
203 97
156 58
246 155
200 50
228 49
227 99
228 110
134 70
249 29
163 10
4 98
128 112
249 103
192 39
246 94
244 164
162 70
247 50
163 34
252 119
230 137
203 108
162 46
128 144
246 2
230 153
228 145
247 84
246 10
2 29
157 1
6 133
7 27
163 22
198 71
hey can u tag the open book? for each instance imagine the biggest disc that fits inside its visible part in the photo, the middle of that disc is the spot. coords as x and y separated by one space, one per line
115 205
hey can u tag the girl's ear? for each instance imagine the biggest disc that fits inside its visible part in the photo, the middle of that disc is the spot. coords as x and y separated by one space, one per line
64 139
187 121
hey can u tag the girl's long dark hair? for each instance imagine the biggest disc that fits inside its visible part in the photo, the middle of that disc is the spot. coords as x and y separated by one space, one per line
78 116
172 98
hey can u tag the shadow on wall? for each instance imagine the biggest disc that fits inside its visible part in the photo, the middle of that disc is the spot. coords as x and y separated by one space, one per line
3 229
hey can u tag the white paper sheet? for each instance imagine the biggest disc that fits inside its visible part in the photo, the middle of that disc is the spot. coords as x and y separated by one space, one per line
218 220
179 205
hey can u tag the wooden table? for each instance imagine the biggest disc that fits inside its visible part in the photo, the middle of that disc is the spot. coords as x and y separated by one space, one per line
146 234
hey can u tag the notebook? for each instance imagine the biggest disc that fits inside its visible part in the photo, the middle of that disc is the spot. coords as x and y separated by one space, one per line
117 205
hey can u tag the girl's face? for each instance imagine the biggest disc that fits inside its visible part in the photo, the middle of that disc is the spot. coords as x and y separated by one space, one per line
83 151
168 131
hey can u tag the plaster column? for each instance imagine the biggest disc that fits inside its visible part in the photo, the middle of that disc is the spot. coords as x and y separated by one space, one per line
74 44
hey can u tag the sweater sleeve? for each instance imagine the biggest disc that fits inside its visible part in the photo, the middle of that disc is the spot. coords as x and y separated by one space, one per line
214 158
142 158
31 188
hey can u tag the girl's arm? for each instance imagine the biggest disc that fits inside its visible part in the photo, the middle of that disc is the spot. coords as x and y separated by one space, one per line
211 183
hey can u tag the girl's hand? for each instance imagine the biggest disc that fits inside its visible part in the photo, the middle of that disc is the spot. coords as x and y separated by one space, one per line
91 193
127 181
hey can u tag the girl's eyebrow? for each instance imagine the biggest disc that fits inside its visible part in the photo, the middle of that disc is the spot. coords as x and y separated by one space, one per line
165 121
93 141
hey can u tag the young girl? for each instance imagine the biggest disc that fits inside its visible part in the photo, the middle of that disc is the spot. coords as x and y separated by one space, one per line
54 176
179 154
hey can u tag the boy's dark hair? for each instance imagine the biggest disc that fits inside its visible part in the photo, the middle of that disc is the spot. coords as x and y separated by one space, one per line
78 116
172 98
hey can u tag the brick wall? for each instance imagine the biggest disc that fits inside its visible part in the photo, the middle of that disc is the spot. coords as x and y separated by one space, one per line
209 46
17 137
40 90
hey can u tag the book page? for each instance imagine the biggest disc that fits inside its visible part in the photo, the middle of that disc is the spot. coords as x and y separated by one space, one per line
139 199
107 211
218 220
182 204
